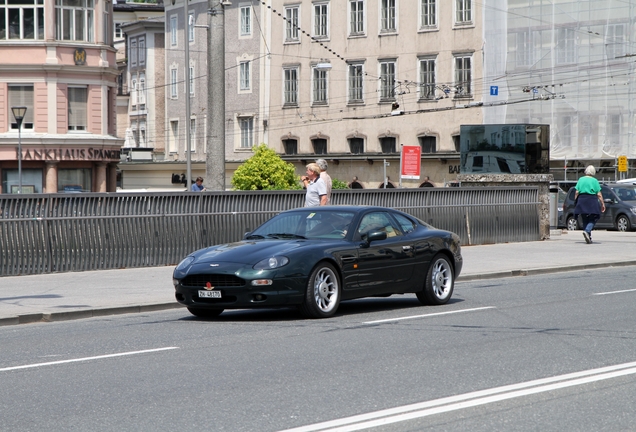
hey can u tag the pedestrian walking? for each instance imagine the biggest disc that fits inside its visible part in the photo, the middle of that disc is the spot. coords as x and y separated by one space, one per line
316 189
325 177
589 201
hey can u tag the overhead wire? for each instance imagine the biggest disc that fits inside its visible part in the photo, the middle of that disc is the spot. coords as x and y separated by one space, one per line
478 82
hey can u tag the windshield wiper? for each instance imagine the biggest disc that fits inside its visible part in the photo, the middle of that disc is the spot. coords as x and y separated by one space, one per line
254 236
285 235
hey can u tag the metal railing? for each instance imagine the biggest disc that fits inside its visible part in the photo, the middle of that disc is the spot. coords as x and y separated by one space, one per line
44 233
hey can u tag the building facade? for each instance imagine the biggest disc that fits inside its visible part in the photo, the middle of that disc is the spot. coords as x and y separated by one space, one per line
124 13
58 61
146 77
356 80
349 82
243 110
569 64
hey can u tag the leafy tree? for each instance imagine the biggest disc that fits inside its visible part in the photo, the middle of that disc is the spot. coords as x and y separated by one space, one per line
338 184
265 170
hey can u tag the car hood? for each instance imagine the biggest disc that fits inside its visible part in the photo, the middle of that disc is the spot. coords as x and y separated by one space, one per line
248 252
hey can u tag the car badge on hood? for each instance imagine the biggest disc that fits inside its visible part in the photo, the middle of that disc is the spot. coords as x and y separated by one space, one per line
214 265
208 286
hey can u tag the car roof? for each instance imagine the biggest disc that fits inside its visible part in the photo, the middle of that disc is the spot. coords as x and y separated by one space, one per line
351 208
627 181
617 184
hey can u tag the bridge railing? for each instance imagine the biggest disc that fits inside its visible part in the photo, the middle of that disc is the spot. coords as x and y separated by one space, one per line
45 233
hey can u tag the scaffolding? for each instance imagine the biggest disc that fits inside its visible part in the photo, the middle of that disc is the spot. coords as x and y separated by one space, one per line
574 61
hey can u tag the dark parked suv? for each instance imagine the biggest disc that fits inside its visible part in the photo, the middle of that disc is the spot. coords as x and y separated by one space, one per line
620 208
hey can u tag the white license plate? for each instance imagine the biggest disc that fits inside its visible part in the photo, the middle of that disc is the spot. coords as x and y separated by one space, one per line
210 294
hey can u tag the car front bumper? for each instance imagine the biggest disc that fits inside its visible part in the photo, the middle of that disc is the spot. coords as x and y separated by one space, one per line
282 292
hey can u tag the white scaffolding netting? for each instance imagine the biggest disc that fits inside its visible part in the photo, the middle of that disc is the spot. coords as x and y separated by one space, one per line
577 60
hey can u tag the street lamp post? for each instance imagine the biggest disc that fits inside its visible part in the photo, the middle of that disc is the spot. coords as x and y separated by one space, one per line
19 112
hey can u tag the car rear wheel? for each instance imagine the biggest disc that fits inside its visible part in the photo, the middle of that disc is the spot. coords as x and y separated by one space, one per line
205 313
572 223
323 292
439 283
622 223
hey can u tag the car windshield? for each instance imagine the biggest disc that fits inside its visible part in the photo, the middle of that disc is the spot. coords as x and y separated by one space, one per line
305 224
561 197
625 193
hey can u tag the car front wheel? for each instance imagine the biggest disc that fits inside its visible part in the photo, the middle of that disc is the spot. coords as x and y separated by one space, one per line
323 292
439 283
572 223
622 223
205 313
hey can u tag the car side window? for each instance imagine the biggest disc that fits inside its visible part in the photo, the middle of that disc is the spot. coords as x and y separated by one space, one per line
625 194
571 194
406 224
328 225
378 221
607 193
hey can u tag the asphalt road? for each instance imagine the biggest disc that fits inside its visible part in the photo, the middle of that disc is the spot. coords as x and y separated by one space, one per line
505 354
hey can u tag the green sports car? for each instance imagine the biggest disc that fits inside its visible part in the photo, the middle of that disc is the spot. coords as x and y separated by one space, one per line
314 257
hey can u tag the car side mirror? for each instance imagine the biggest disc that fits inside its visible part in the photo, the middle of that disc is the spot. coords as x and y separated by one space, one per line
246 234
608 200
375 236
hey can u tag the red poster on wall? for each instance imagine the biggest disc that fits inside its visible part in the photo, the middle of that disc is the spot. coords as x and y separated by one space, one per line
410 162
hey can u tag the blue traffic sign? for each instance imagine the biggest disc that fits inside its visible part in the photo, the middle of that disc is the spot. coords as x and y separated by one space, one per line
494 90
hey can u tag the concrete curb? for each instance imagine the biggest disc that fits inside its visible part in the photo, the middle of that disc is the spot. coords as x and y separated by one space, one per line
545 270
120 310
86 313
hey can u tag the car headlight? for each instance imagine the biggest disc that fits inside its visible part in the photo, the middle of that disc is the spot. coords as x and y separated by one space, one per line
185 263
271 263
633 209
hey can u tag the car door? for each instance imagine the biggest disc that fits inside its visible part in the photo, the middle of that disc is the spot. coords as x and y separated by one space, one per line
384 266
609 215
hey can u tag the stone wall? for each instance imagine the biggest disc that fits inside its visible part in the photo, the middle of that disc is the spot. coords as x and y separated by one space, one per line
540 180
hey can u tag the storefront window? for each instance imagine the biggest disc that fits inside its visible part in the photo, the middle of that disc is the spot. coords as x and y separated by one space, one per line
31 181
74 180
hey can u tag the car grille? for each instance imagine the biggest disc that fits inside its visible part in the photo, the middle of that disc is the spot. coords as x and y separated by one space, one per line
216 280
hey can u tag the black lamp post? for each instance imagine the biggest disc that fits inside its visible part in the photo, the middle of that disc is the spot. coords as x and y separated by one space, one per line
19 112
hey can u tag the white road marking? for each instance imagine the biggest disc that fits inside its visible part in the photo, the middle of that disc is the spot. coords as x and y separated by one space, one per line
36 365
468 400
429 315
615 292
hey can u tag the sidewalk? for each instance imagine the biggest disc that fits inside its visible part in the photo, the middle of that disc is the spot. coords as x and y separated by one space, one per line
65 296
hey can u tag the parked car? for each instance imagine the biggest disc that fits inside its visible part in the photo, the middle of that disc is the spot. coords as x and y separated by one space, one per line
620 208
561 188
561 196
314 257
564 185
628 181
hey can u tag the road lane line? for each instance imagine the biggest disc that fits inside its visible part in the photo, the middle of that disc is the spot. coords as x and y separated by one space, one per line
480 397
481 401
35 365
615 292
428 315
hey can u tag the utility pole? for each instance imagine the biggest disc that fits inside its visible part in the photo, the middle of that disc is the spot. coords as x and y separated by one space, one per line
188 146
215 133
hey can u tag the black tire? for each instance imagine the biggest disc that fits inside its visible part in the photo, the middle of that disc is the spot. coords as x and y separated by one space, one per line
323 292
439 282
623 224
572 223
205 313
